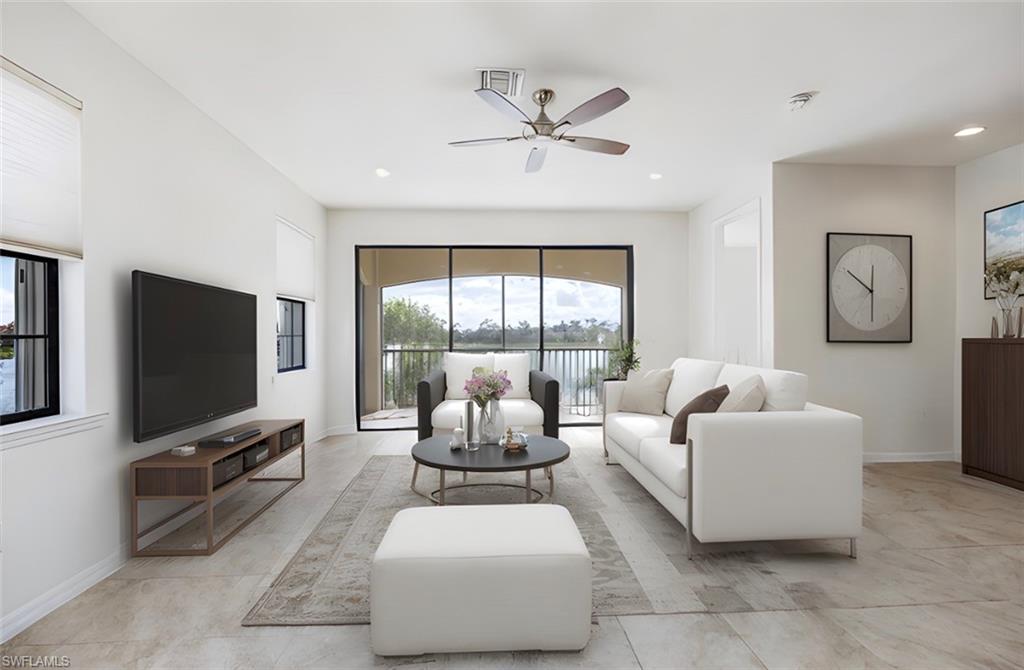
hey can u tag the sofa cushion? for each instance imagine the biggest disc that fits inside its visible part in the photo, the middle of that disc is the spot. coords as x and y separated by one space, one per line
646 394
458 367
747 396
705 403
690 377
517 365
518 412
785 391
665 461
628 428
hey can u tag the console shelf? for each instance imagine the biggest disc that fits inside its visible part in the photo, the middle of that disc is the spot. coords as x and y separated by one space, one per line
164 476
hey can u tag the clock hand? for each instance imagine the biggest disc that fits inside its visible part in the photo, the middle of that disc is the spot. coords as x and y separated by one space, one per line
872 293
869 289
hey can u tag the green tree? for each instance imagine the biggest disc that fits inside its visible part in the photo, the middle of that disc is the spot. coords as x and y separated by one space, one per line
409 325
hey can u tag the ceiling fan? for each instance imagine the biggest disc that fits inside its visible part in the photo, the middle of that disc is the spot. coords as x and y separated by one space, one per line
541 131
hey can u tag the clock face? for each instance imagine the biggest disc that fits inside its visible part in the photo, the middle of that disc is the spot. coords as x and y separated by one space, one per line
869 287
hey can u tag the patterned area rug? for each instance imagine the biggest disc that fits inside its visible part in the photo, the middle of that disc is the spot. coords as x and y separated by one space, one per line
327 581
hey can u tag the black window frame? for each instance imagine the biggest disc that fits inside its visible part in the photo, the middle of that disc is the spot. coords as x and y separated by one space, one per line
628 297
52 337
292 335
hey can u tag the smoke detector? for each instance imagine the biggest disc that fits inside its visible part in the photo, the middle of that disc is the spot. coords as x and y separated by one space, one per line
507 81
800 100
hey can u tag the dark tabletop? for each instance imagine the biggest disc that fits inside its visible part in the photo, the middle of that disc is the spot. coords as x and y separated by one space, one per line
541 452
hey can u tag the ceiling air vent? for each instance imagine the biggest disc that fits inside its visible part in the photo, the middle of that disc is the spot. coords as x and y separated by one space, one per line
506 81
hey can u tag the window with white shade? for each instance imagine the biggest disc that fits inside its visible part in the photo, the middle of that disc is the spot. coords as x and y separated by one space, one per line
40 164
40 232
296 262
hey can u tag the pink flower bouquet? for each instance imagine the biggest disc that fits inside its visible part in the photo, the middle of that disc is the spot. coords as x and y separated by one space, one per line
485 386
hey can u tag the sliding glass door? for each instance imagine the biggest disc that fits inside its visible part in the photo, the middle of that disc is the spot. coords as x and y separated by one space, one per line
566 306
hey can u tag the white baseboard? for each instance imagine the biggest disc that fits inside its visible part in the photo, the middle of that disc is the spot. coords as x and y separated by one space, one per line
34 610
908 456
346 429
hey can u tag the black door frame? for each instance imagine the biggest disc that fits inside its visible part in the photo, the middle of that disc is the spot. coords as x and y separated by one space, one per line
357 325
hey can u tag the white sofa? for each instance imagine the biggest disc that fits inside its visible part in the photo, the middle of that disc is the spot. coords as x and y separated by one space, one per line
791 471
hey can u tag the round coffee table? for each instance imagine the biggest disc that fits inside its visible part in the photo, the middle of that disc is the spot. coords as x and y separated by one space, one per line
541 452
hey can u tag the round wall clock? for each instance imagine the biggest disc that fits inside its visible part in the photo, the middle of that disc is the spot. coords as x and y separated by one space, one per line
869 288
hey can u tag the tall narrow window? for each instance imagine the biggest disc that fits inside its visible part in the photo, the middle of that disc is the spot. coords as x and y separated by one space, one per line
291 335
29 345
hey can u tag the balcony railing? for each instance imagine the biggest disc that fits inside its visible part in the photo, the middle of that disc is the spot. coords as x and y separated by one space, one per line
578 371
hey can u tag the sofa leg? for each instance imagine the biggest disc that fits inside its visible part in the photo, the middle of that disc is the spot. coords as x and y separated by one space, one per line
689 499
853 547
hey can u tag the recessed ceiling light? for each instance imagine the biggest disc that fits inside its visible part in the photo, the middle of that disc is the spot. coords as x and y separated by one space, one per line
968 131
655 176
381 172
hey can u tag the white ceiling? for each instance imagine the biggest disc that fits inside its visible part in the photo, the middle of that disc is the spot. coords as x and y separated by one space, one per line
327 92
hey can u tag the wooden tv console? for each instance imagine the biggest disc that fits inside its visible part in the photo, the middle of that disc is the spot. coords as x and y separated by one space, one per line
164 476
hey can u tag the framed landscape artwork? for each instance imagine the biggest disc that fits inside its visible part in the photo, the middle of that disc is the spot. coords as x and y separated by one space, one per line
1004 240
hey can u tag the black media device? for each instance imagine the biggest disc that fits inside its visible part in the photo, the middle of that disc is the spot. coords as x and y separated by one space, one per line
194 351
228 440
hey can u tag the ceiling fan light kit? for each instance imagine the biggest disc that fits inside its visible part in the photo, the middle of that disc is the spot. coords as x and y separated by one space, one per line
541 131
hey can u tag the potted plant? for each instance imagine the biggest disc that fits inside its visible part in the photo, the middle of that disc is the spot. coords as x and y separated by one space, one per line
485 388
623 360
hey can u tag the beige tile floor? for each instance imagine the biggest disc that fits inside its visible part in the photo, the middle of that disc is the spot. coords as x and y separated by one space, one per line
939 584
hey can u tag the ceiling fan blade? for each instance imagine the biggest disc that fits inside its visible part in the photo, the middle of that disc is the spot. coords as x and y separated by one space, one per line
594 108
595 144
503 105
486 140
535 161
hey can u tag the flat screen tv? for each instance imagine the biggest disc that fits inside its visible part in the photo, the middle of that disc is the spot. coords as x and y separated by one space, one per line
195 353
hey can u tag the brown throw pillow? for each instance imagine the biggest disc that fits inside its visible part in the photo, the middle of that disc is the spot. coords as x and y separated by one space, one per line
705 403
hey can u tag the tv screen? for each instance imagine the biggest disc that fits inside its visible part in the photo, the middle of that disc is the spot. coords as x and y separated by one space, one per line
195 353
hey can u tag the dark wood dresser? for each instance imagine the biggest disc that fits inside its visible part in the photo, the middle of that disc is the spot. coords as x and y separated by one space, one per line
992 434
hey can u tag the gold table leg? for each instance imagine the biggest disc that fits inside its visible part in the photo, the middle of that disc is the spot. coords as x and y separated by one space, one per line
529 487
415 473
440 494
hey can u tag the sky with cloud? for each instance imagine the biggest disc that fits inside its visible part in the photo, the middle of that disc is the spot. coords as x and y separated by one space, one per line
6 289
1004 231
477 298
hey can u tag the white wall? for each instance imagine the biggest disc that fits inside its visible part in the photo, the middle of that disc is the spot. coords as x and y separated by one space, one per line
755 185
903 391
660 259
983 184
167 190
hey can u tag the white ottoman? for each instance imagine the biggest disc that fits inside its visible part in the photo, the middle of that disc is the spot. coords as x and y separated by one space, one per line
480 578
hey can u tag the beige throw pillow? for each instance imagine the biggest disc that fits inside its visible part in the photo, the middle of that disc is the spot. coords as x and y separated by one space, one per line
646 394
747 396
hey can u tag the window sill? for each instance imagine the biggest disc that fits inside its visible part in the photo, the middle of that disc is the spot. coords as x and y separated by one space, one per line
47 428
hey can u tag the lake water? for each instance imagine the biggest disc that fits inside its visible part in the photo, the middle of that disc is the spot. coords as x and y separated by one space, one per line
7 386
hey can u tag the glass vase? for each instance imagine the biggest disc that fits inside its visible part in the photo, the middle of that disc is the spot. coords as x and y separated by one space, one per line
491 423
1010 317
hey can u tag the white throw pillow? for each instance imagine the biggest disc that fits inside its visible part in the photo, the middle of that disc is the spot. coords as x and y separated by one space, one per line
458 368
517 365
646 394
747 396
